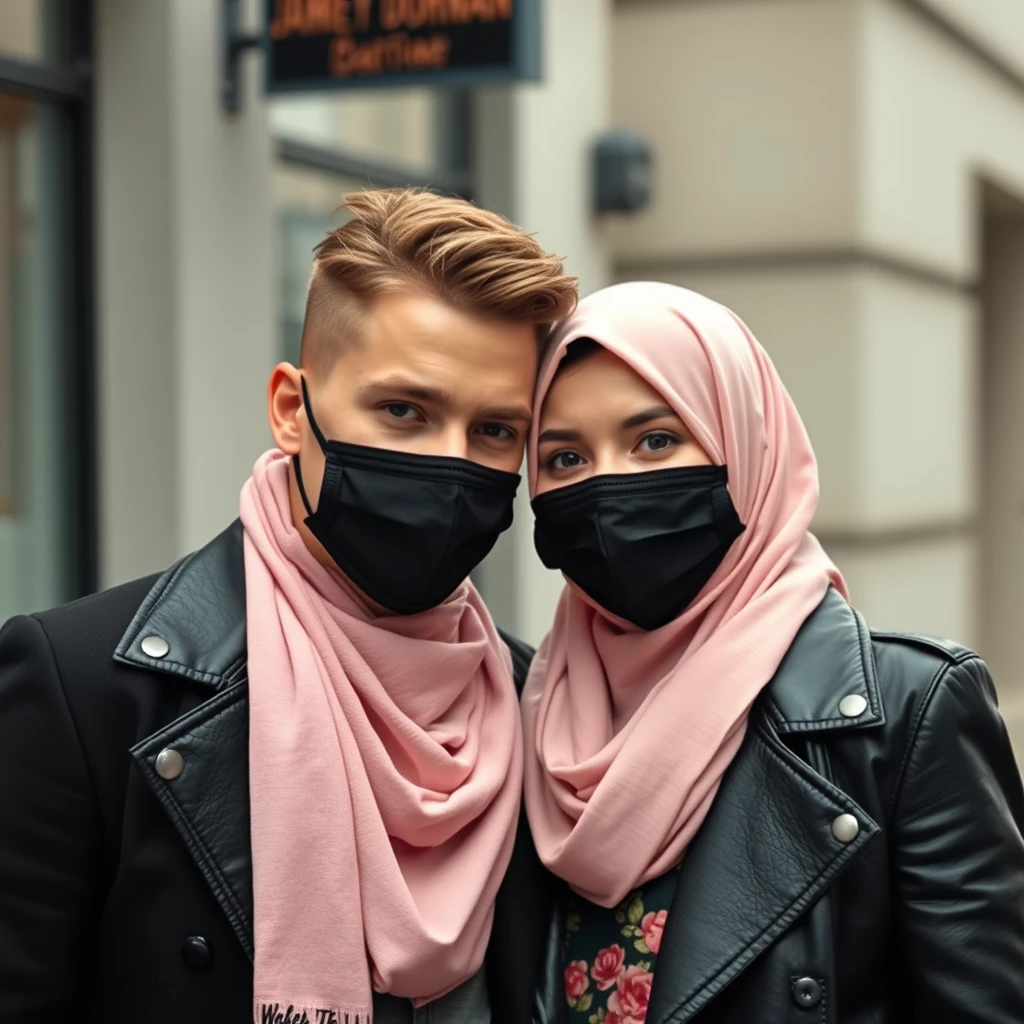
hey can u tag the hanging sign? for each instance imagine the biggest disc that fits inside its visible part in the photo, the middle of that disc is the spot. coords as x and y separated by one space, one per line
322 45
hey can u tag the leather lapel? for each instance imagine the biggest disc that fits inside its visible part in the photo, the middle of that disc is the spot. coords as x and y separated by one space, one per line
197 609
208 802
765 853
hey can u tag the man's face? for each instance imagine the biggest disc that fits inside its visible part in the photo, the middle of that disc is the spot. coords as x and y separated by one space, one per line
422 378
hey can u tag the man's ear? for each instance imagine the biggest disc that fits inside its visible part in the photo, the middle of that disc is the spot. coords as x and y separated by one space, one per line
284 407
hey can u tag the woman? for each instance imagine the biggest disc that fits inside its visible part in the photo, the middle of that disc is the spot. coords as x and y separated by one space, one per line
764 812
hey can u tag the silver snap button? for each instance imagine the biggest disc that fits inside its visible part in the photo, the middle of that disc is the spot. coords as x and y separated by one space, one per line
845 828
155 647
853 706
169 764
806 992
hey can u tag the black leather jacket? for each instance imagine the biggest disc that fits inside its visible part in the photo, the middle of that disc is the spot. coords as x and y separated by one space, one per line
909 910
125 895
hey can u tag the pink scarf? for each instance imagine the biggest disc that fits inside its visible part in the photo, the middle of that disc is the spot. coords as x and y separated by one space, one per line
385 762
629 732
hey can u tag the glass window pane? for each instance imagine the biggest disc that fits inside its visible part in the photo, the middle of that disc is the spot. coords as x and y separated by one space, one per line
395 127
34 29
34 265
304 205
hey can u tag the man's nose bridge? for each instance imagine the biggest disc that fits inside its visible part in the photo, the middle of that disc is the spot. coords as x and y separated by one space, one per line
454 440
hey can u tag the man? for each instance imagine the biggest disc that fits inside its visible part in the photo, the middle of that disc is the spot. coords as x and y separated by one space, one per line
281 781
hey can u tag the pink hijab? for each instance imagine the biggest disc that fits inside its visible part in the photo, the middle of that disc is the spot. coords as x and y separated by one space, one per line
385 767
628 733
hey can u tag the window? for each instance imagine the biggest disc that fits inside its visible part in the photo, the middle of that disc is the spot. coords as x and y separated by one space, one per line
47 475
327 146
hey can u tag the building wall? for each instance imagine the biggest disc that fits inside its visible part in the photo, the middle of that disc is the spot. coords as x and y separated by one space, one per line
995 25
819 170
819 167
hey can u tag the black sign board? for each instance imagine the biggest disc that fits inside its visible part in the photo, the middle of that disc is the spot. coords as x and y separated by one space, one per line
322 45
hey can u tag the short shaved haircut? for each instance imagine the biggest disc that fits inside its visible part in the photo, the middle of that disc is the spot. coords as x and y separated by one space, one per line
413 239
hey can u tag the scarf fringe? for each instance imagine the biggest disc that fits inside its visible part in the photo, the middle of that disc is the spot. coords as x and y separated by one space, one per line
289 1013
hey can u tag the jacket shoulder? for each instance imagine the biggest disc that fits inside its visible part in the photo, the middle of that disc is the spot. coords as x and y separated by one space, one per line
920 645
912 668
915 658
94 624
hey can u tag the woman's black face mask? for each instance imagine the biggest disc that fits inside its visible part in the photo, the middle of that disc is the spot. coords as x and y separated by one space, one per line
642 545
406 529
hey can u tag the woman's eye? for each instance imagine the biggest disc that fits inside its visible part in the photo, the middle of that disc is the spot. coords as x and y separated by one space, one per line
565 460
658 442
400 410
498 431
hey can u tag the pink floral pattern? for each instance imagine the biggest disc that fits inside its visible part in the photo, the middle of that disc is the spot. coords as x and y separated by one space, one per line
628 1003
576 982
608 967
652 925
621 947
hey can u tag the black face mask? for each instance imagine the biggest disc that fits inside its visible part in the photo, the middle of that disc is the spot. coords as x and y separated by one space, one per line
642 545
405 529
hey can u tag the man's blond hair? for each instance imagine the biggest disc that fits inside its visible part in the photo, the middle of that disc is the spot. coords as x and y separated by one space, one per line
472 259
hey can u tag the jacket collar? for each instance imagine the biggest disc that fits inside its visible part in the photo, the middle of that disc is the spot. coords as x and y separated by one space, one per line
196 611
828 666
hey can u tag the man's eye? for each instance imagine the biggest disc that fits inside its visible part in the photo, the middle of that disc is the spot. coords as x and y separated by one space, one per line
400 410
496 430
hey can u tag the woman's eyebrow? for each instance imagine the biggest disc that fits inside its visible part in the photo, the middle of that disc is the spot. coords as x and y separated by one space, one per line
656 412
558 435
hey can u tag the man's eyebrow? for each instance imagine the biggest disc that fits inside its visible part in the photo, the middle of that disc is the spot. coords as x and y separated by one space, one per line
407 387
656 412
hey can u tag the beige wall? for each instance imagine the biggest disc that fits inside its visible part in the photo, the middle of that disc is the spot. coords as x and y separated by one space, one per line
1002 463
818 169
997 25
752 109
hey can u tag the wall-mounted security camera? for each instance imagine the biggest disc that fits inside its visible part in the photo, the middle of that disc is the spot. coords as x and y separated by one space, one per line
622 172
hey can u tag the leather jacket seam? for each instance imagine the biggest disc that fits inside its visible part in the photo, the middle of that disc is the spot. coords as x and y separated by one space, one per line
941 675
235 672
181 669
938 648
837 720
776 712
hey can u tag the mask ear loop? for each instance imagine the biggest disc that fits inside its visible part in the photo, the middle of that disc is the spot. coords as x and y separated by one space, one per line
320 440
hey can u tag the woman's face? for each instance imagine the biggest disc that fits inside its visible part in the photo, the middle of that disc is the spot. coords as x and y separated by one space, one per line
600 416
